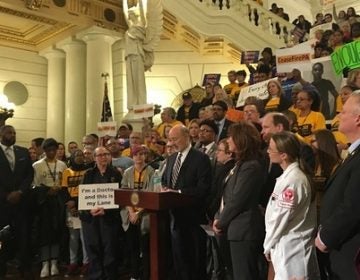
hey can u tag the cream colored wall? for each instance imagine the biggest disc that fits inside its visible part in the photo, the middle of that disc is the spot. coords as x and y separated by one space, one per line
177 68
30 69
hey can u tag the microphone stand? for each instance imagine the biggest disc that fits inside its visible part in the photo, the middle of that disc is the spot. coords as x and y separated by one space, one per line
159 158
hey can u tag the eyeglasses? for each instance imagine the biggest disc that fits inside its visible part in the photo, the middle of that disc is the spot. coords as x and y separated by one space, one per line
103 155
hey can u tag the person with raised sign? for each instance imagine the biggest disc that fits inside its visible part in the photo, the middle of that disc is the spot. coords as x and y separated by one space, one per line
100 226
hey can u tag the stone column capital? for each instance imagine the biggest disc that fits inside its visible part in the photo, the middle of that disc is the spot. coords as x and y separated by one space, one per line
52 52
96 33
70 43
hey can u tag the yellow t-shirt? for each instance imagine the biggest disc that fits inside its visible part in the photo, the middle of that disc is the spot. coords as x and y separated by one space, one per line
339 137
161 127
272 105
71 180
126 152
310 123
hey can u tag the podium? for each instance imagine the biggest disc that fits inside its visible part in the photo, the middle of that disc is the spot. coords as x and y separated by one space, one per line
156 204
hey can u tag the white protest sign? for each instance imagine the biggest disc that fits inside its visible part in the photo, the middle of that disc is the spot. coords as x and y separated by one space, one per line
296 57
259 90
143 111
97 195
106 128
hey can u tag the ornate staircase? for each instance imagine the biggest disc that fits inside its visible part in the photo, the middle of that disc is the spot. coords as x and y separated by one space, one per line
243 24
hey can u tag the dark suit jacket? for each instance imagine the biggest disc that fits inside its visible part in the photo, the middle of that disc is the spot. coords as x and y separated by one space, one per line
224 131
194 179
220 172
19 179
241 216
193 112
340 217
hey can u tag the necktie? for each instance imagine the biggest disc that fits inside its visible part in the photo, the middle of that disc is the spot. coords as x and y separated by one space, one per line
10 157
203 149
176 170
219 132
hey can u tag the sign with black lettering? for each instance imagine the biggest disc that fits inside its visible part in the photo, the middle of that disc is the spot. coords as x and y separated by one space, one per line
97 195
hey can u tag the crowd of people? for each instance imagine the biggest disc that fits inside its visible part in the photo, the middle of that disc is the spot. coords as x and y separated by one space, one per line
275 186
265 182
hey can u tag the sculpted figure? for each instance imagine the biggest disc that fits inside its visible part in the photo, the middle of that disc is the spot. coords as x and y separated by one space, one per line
144 20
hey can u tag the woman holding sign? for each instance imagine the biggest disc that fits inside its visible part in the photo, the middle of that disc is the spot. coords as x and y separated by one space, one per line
100 226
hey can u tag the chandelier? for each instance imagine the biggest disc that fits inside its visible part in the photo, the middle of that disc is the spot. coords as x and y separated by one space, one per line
6 109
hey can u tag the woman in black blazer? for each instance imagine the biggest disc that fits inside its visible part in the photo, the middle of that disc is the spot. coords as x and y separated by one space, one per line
239 216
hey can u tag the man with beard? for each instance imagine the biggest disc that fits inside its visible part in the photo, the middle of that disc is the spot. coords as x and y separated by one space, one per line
220 108
16 175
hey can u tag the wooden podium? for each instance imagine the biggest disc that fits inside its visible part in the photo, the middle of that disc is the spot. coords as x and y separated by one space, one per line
156 204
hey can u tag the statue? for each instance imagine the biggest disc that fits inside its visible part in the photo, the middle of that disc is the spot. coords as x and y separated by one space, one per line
144 18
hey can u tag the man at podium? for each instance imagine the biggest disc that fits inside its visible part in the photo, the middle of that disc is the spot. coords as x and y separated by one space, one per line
189 172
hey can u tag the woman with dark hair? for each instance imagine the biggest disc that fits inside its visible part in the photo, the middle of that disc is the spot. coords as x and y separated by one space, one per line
47 175
290 216
326 153
239 216
60 154
308 117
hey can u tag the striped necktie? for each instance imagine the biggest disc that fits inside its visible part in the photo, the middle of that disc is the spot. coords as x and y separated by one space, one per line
176 170
10 157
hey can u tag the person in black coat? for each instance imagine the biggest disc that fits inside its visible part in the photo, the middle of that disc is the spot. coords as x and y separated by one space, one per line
101 227
239 216
220 108
339 231
187 171
16 175
189 110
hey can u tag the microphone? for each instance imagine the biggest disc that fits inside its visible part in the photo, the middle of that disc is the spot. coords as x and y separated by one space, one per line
158 158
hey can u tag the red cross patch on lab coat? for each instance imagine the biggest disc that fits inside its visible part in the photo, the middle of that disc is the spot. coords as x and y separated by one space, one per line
288 195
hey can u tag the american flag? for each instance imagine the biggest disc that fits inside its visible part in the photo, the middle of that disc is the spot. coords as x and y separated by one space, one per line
106 115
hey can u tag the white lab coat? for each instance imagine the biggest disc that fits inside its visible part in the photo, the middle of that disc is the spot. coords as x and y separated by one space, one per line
290 221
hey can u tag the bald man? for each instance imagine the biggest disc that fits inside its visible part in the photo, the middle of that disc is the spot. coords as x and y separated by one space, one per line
189 172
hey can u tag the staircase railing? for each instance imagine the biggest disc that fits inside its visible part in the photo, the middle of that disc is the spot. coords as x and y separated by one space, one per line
257 15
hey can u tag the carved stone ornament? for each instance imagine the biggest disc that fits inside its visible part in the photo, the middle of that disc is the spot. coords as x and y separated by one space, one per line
33 4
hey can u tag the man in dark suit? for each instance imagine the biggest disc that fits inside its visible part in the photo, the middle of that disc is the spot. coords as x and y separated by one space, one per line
16 175
189 172
207 137
339 231
220 108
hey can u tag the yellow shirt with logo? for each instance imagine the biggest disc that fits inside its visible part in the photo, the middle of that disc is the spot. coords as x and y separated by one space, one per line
310 123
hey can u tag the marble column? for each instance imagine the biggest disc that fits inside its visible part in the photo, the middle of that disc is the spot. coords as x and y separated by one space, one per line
98 60
55 93
75 89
